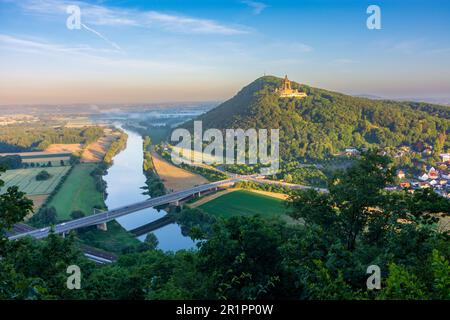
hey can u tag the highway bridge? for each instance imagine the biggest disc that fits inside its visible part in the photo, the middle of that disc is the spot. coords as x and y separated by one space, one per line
106 216
100 219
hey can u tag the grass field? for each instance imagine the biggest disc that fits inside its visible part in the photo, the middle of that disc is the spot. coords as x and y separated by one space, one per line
113 240
77 193
244 203
25 179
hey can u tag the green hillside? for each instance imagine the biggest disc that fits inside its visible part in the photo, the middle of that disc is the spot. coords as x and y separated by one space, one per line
326 122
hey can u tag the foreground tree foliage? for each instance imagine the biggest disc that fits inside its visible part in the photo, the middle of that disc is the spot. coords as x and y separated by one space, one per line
324 255
14 206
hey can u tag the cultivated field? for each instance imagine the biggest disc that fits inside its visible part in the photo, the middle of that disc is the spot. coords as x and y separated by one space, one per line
54 160
38 200
245 203
95 151
55 155
25 179
77 193
61 147
209 197
175 178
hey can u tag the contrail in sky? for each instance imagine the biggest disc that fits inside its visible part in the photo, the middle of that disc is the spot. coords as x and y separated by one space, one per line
115 45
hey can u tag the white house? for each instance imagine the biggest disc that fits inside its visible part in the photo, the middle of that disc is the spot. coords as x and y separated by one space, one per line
351 151
445 157
400 174
433 173
424 185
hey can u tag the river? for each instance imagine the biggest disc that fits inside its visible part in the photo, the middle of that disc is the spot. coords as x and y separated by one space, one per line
125 180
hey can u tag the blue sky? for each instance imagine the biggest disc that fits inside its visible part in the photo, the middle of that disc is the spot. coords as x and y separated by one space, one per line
182 50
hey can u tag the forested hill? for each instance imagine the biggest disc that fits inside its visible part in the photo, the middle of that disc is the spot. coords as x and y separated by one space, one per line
326 122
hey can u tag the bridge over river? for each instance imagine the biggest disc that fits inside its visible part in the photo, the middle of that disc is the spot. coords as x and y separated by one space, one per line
106 216
100 219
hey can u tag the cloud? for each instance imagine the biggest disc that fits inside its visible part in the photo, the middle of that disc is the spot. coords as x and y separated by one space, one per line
407 46
118 17
257 7
190 25
291 47
87 54
35 46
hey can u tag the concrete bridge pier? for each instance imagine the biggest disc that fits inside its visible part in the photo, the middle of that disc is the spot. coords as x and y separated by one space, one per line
102 226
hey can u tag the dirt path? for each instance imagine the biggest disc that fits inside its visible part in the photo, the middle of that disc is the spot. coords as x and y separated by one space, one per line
281 196
60 147
210 197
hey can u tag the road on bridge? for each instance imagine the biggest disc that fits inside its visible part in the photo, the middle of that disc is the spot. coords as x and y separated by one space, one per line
103 217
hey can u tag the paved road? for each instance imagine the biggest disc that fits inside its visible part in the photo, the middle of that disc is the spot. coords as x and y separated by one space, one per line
106 216
91 253
285 184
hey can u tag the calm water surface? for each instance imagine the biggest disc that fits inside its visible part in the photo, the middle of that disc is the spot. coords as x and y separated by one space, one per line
125 180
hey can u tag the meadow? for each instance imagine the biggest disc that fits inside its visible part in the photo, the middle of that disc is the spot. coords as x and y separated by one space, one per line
77 193
25 179
245 203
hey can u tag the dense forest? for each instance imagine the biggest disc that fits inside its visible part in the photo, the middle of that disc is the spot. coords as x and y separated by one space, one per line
325 123
325 255
33 137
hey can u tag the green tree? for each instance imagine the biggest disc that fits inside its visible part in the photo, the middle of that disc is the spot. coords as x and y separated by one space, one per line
77 214
43 175
152 241
14 207
402 284
353 194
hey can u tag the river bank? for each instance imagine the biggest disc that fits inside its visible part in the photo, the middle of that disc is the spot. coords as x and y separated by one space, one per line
126 184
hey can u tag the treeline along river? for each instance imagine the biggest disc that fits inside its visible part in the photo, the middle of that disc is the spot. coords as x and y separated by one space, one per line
125 180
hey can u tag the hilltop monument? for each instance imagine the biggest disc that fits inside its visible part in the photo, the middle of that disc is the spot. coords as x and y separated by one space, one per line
286 91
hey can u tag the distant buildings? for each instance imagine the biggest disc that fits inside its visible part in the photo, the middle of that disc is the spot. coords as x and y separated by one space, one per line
351 152
420 175
433 173
405 184
401 174
286 91
445 157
